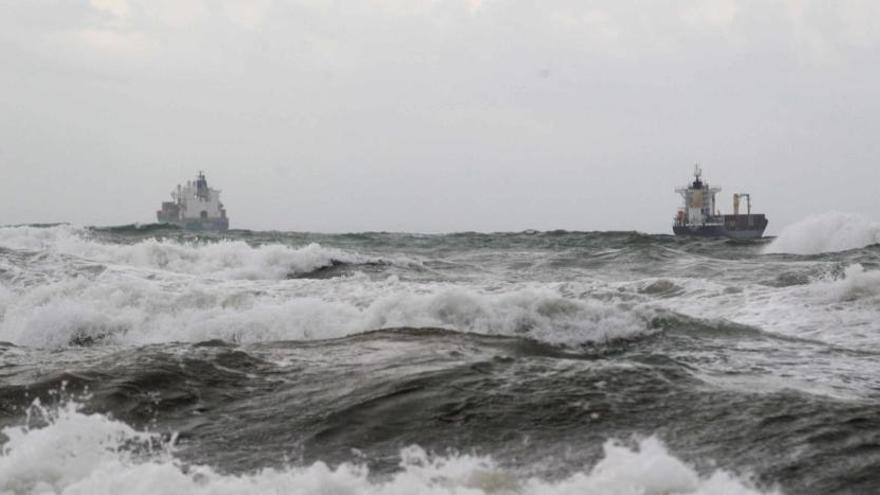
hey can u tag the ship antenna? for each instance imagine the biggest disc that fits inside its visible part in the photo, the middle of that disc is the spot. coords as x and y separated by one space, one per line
698 172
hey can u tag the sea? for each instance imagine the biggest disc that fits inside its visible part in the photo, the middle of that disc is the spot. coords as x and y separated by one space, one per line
143 359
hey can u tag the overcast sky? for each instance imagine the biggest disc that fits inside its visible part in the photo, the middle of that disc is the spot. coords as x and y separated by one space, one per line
436 115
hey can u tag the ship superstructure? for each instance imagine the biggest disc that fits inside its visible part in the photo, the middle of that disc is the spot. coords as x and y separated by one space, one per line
195 206
699 215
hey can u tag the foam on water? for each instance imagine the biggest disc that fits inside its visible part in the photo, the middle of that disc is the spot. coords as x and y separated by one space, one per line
829 232
123 308
839 307
223 259
161 291
6 296
76 453
857 285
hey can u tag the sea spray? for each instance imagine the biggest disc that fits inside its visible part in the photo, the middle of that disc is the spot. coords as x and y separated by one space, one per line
829 232
78 453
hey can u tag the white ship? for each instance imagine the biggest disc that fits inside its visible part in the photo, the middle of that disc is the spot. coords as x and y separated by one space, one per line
195 206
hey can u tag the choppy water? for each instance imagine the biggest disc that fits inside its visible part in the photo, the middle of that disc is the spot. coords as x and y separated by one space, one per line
147 360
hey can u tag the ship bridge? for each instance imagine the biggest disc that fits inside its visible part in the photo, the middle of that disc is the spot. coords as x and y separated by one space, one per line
699 201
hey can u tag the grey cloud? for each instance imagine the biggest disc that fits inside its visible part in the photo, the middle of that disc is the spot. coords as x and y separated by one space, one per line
437 116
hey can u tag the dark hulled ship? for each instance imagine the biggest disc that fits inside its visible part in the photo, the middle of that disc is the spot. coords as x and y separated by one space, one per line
699 216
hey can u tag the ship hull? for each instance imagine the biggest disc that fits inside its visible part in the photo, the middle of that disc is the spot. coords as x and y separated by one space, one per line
749 226
717 231
202 225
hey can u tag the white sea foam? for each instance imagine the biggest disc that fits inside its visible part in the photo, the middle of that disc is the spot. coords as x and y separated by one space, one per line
843 310
826 233
124 308
833 307
34 238
6 296
76 453
159 291
857 284
222 259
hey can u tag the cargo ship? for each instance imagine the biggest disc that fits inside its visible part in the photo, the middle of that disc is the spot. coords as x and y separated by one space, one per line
699 216
195 206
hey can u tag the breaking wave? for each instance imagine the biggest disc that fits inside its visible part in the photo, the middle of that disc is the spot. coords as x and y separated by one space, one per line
827 233
857 284
223 259
71 452
138 311
78 291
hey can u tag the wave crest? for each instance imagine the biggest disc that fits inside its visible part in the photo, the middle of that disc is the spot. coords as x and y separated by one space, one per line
138 311
79 453
856 284
830 232
224 259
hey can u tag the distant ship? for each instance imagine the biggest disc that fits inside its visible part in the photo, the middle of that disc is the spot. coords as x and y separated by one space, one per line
699 217
195 206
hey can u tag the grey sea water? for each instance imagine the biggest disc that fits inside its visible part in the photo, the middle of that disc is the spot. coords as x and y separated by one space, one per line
150 360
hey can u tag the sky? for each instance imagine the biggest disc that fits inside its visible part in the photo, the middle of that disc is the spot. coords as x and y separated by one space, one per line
437 115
